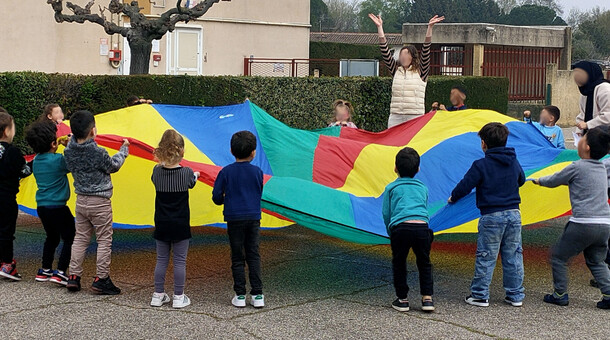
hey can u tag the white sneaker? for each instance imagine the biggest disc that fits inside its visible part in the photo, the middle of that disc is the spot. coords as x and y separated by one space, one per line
513 303
239 301
159 299
477 302
258 301
181 301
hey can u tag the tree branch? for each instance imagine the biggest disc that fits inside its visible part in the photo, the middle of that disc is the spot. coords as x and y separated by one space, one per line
82 15
170 18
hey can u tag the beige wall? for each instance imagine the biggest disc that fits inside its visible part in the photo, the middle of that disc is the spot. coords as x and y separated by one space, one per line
231 31
564 94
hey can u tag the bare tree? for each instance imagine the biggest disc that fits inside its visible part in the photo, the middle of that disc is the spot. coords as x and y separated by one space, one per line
142 31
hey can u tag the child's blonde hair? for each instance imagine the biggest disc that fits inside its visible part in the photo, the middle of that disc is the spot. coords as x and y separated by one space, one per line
171 147
342 103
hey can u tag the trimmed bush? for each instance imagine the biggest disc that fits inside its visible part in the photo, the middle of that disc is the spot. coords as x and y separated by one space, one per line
303 103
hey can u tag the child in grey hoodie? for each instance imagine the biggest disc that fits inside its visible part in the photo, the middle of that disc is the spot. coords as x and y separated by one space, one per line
589 227
91 167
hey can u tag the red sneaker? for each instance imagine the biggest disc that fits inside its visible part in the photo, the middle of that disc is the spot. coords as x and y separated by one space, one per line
9 271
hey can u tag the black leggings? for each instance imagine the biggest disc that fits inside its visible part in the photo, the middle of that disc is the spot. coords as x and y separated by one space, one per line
58 222
8 222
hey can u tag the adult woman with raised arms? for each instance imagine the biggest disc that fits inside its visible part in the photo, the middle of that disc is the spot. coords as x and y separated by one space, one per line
410 74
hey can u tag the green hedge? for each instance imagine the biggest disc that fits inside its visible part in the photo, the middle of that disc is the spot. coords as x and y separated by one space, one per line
299 102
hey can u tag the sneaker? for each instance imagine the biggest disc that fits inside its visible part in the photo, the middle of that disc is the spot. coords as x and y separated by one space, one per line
513 302
9 271
401 305
59 277
73 284
181 301
258 301
604 303
159 299
594 283
239 301
476 302
427 305
44 275
556 299
105 286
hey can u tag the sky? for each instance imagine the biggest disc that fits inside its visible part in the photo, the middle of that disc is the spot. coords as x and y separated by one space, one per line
584 4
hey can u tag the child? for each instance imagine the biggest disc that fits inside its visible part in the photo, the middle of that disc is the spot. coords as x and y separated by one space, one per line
497 178
12 169
91 167
172 216
405 214
135 100
548 118
50 171
589 227
239 186
342 112
457 96
54 113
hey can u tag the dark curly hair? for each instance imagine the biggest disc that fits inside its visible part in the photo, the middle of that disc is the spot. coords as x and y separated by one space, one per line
41 135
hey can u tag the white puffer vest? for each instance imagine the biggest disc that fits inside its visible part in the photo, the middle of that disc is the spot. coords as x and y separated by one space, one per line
408 93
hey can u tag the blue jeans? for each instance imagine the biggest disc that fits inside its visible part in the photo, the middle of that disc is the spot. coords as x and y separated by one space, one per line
499 232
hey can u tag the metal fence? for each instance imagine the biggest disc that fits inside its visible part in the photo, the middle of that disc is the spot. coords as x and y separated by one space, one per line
451 61
272 67
525 68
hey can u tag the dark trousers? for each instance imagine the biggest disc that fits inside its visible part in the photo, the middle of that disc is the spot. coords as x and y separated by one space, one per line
592 241
418 237
58 223
244 237
8 222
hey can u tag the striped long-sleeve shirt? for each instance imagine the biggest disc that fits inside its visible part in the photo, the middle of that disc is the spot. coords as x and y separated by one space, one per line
172 213
392 64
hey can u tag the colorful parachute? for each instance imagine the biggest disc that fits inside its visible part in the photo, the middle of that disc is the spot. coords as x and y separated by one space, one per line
329 180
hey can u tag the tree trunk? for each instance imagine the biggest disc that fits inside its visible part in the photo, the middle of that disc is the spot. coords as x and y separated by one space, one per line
140 55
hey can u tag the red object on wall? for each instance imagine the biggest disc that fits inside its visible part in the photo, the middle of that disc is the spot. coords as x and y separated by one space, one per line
114 55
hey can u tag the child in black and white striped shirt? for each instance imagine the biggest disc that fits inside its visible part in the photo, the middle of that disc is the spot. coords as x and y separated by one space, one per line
172 216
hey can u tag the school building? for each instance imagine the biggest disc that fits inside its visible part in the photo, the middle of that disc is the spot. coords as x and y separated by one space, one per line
215 44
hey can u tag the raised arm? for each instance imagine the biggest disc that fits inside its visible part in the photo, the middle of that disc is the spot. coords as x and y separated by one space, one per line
388 59
425 52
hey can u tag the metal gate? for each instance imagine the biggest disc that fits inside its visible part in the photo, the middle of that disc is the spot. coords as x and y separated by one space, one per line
525 67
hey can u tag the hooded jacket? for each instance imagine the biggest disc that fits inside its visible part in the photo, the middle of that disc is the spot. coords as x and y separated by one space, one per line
403 200
497 178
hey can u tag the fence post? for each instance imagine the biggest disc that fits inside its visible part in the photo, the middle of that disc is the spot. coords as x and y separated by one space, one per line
246 68
478 58
549 94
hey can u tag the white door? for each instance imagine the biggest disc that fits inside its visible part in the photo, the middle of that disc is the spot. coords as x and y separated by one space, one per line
126 64
184 51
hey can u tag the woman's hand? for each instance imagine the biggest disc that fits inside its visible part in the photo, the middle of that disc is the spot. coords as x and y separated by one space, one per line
435 20
582 125
379 23
376 20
